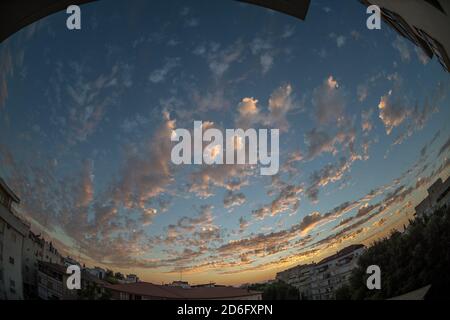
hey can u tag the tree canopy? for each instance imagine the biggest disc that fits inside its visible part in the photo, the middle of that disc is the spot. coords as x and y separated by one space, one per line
410 260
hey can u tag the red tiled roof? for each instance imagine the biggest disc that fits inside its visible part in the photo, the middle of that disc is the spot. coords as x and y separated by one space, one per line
171 292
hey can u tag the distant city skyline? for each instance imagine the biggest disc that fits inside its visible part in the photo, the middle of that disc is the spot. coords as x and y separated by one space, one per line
86 119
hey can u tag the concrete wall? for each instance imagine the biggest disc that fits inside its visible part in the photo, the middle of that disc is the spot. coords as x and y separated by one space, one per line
11 243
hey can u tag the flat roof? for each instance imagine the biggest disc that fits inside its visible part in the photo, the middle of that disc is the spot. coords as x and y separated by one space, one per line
172 292
341 253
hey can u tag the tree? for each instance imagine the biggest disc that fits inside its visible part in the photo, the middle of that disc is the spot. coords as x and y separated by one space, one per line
408 261
109 273
343 293
94 292
276 291
119 276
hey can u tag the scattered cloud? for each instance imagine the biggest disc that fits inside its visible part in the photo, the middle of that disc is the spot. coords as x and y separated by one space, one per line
280 103
288 199
328 102
159 75
319 141
392 111
366 124
421 55
233 199
362 91
266 62
402 47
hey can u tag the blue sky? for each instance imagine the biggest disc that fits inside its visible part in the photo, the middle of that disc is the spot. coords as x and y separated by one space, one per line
86 118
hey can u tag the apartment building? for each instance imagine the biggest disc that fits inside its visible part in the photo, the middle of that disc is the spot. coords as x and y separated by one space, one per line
131 278
36 249
438 196
96 272
425 23
334 271
300 277
69 261
319 281
52 282
13 231
32 250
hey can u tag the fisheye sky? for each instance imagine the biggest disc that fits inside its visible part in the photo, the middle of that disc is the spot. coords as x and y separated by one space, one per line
86 118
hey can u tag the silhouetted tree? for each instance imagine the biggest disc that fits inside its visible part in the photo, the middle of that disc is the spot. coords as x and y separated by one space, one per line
93 292
119 276
409 260
276 291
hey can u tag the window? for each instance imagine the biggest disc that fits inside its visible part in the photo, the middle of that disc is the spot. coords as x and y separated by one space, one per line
11 260
3 198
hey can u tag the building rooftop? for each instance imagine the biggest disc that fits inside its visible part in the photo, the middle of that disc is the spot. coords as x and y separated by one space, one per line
53 267
86 276
174 292
341 253
418 294
8 190
295 8
60 269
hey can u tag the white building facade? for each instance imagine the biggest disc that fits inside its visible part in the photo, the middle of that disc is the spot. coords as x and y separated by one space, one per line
438 196
12 233
319 281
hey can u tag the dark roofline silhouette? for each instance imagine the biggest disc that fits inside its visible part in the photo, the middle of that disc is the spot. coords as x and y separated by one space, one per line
17 14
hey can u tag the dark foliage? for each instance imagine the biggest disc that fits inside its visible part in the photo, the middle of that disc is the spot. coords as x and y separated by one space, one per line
410 260
276 291
93 292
